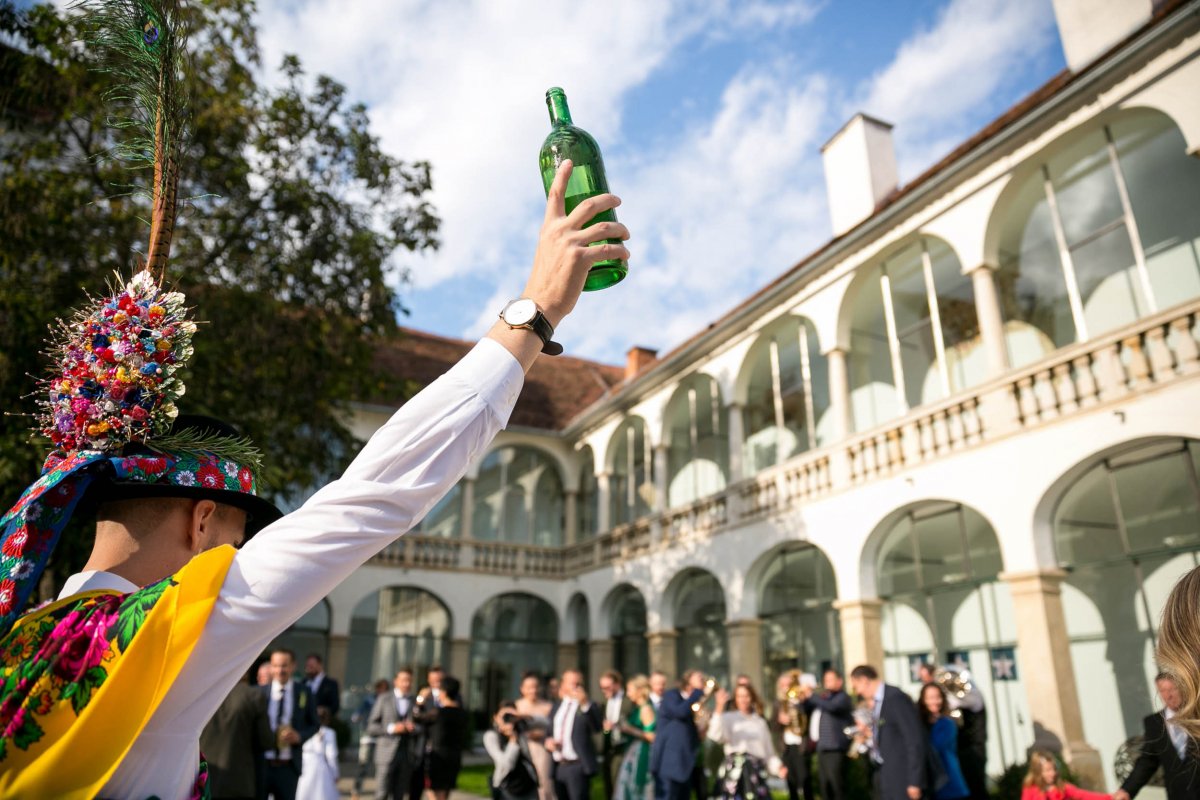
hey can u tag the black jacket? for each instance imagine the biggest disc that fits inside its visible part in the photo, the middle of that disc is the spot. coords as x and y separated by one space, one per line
328 695
304 717
1181 776
902 743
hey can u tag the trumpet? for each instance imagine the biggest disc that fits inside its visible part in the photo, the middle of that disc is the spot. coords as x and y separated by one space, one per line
710 685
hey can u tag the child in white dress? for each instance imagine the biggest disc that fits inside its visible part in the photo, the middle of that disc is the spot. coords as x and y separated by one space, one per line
319 771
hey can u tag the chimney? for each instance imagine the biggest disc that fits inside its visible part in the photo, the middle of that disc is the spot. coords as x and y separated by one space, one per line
637 359
1088 28
860 170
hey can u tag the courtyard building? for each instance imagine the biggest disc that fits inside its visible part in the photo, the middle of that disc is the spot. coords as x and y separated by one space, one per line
966 430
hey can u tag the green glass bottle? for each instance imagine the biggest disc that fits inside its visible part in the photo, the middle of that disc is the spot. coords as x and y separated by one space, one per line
587 179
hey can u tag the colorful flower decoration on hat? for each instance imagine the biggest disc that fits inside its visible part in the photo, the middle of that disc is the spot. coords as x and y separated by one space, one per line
115 376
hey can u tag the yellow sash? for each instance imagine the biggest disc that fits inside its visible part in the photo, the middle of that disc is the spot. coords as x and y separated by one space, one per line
78 754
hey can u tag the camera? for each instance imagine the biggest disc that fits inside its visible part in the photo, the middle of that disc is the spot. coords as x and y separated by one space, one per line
518 722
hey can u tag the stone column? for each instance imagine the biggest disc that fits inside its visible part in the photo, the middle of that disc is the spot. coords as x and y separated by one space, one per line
991 323
338 657
567 657
603 504
600 661
460 664
839 392
663 656
737 445
745 649
1044 658
468 509
571 510
862 636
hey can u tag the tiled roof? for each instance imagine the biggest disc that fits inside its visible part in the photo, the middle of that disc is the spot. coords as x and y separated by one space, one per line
556 389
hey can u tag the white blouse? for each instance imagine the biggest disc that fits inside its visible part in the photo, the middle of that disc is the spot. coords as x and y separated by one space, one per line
405 468
745 733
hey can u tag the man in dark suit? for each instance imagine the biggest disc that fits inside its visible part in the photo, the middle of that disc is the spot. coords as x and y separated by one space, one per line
831 707
392 726
293 717
676 740
897 755
574 720
234 740
324 689
617 707
1165 745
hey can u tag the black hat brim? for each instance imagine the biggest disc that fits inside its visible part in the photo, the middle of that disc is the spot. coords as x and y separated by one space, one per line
259 512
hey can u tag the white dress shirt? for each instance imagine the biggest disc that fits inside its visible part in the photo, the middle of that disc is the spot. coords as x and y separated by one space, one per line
279 712
400 474
744 733
612 713
564 725
1178 735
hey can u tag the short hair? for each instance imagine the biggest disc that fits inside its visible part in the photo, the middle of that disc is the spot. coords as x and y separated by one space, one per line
286 651
658 672
1164 676
435 668
316 658
834 670
404 671
141 515
451 687
613 676
864 671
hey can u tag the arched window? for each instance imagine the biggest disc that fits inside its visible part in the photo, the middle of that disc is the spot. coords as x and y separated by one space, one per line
914 334
309 634
1125 531
700 624
800 625
1104 231
787 394
399 626
445 519
697 441
631 480
627 620
510 635
580 631
519 498
588 506
938 567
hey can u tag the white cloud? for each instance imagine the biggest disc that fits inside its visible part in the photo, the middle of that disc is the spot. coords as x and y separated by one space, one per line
942 74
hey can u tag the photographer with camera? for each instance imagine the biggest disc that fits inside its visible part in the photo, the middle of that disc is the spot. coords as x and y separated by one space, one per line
514 776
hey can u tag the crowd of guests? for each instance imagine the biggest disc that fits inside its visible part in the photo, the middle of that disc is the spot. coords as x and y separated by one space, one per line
645 739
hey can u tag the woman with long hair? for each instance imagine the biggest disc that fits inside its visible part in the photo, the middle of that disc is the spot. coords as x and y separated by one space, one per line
447 738
749 752
1179 649
533 707
633 778
934 710
1044 782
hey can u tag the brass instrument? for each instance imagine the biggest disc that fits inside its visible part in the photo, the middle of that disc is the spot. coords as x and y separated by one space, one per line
792 700
956 684
710 685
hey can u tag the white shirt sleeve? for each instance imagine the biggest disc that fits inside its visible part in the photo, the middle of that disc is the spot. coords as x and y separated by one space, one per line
401 473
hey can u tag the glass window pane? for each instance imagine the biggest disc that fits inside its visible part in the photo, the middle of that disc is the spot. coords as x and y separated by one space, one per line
1085 187
898 561
445 519
873 398
1158 503
1163 182
1085 523
940 549
982 546
1108 281
765 444
910 303
966 361
697 454
1030 282
631 484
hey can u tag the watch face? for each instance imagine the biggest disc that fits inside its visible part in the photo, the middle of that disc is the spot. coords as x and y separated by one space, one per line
520 312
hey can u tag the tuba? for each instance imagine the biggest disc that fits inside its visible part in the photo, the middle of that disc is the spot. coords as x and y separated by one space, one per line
792 700
957 685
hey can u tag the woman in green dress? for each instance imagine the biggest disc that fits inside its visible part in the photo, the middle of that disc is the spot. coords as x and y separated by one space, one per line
633 779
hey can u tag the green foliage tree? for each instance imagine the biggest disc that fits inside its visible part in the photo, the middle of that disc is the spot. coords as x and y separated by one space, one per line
293 228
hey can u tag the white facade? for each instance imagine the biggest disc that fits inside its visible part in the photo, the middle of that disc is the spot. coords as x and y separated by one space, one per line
966 430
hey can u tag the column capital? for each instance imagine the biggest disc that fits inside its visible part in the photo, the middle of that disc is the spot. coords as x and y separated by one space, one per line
982 265
1047 581
867 607
662 635
743 624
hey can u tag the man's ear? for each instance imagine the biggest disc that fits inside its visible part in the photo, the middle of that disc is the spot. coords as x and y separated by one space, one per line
200 532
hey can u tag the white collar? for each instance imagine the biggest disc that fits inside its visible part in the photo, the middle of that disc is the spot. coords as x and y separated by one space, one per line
93 580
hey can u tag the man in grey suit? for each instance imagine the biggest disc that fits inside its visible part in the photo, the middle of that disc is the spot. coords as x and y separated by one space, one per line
392 726
234 740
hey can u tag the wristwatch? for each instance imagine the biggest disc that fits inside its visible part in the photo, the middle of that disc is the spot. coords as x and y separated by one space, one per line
524 313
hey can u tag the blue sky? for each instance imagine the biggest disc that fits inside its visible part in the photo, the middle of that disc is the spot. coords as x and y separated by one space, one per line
710 113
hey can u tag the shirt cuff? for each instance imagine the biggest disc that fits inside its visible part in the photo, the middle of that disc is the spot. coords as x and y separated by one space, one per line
495 374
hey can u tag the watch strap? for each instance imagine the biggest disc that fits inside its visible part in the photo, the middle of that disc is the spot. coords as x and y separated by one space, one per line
544 330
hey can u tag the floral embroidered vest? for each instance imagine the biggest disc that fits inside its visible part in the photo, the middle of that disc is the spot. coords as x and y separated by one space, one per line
80 678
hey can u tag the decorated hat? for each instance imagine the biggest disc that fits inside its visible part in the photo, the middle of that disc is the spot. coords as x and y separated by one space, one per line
109 410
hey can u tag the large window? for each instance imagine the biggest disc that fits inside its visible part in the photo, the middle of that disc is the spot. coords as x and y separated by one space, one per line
700 623
519 498
787 394
309 634
445 519
396 627
627 620
587 507
511 635
631 480
800 626
914 334
1106 230
697 441
1125 531
937 574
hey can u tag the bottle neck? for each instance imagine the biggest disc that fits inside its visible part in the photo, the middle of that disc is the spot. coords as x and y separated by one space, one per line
556 102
